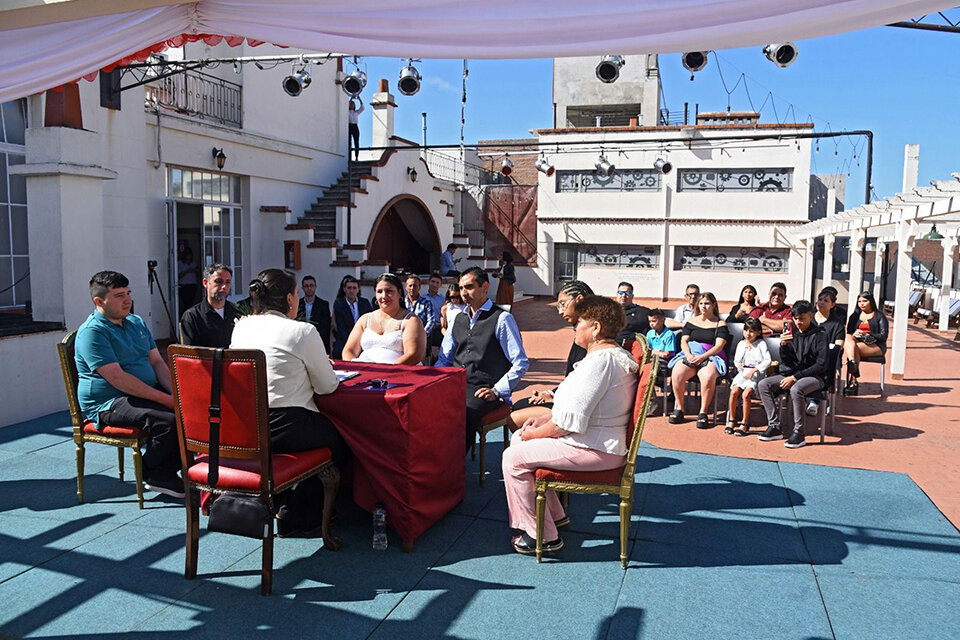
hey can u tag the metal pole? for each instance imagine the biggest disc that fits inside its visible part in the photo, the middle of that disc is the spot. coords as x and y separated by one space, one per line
866 197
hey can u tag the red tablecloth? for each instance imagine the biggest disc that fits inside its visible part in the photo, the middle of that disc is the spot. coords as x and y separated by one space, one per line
407 440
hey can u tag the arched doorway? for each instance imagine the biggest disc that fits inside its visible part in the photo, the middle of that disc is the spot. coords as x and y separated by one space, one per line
405 235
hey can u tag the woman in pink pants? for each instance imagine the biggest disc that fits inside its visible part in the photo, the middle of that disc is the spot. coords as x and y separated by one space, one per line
586 430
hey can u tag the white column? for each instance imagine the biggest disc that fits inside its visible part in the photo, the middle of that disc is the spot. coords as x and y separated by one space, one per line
808 269
828 242
878 269
383 106
906 234
949 249
854 284
666 254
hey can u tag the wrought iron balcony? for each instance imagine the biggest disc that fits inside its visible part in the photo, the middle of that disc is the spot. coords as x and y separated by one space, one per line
199 94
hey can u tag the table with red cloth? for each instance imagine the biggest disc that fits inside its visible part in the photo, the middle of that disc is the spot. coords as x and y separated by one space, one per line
406 440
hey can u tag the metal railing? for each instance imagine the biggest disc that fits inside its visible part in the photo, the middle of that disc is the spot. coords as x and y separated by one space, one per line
450 167
199 94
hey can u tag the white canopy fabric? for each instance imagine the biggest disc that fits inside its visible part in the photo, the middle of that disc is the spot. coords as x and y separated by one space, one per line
46 43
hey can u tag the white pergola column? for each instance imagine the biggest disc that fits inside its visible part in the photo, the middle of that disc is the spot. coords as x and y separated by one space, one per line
854 284
878 269
828 241
946 278
808 259
906 235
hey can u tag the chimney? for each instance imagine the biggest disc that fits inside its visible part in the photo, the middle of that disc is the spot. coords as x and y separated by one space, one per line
911 167
383 106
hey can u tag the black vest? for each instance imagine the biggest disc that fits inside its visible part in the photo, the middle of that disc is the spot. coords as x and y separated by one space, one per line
478 350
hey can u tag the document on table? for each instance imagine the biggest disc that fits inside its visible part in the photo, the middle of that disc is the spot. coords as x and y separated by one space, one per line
345 375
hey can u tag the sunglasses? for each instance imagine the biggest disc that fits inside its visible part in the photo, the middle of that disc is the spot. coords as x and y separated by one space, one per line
624 293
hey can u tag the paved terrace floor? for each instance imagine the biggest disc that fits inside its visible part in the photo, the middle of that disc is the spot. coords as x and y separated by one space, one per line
723 544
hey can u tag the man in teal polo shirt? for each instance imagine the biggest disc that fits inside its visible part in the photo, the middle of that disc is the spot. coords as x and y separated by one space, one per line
124 382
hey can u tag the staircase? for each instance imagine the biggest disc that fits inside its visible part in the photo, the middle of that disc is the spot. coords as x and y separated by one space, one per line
322 214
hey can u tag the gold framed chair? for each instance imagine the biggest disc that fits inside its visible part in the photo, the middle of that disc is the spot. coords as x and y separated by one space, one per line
85 431
619 481
495 419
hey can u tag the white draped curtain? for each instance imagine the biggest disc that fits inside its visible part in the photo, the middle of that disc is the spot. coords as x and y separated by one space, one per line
39 51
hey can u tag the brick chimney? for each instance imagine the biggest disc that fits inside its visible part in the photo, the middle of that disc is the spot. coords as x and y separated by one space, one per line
383 106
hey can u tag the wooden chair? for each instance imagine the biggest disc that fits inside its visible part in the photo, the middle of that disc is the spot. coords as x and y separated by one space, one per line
619 481
495 419
85 431
245 464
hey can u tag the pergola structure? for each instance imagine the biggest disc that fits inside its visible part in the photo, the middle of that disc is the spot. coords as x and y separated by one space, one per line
901 218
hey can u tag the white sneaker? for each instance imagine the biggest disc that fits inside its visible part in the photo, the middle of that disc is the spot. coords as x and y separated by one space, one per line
813 408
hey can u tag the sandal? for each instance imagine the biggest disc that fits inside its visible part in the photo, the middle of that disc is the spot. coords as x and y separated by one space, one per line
676 417
852 388
731 428
703 422
742 431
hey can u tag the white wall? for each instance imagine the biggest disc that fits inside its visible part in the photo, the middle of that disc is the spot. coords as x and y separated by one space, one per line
31 384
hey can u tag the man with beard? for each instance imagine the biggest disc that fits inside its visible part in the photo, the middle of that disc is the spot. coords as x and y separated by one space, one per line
209 323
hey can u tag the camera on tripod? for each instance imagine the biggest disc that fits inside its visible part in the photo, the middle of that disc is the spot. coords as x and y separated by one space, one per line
151 264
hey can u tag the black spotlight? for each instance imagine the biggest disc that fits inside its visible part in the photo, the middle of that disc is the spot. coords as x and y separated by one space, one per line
694 61
296 83
781 55
409 82
608 69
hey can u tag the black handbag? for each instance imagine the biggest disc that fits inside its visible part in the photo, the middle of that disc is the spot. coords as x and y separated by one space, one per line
238 514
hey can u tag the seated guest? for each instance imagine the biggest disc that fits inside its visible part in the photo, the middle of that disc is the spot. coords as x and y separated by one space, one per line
418 305
831 318
867 331
315 310
586 430
773 314
637 316
448 264
437 299
663 342
803 368
245 306
209 323
745 305
297 368
752 359
540 402
686 310
123 381
701 354
451 307
347 309
485 341
389 334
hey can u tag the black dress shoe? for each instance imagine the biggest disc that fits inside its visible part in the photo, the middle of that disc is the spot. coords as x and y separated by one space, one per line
528 546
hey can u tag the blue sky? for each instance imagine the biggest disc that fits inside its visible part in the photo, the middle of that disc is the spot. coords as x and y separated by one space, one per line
903 84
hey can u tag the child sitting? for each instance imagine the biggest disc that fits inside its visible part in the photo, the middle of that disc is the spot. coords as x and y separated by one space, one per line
663 342
751 360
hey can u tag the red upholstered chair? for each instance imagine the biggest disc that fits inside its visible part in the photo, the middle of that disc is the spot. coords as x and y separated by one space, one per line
85 431
245 461
493 420
617 481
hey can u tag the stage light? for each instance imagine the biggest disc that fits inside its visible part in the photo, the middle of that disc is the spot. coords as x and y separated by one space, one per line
354 82
294 84
506 167
694 61
604 168
608 69
663 166
544 166
409 82
782 54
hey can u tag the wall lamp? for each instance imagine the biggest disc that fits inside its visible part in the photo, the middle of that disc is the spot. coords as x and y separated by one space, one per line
220 157
412 174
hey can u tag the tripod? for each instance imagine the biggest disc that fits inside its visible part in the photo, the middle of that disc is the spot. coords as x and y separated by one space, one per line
151 278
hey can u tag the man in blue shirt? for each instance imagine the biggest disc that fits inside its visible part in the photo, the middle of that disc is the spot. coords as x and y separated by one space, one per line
448 265
124 382
437 299
420 306
484 340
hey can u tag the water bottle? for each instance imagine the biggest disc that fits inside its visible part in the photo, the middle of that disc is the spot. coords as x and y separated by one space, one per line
379 528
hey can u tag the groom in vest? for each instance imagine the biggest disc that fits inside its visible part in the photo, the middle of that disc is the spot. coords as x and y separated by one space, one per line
486 342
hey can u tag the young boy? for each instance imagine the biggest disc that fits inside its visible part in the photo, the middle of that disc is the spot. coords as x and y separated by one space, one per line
663 342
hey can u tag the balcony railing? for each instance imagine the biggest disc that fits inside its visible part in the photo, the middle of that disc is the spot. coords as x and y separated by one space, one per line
449 167
199 94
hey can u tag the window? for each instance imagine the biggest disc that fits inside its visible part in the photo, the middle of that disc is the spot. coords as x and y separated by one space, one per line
14 249
620 256
621 180
735 180
565 262
731 259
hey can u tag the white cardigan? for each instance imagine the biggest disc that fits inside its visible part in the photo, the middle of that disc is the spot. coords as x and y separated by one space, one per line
595 402
297 364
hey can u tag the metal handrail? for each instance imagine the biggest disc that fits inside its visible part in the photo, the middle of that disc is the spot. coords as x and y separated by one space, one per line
199 94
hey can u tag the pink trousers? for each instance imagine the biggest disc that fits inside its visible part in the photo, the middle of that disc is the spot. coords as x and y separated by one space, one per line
520 463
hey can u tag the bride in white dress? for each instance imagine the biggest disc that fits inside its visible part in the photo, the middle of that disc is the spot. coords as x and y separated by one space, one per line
390 334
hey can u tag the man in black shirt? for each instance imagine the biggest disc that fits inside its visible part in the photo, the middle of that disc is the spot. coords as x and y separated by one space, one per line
638 320
209 323
315 310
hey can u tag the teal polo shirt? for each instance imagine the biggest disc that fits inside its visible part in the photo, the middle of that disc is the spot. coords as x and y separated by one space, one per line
100 342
